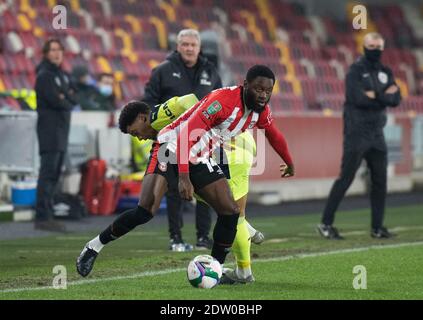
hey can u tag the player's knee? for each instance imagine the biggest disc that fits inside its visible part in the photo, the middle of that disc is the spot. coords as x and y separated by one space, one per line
147 202
235 209
230 209
143 215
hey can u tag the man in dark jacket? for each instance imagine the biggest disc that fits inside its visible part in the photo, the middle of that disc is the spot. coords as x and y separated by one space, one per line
370 88
54 104
184 71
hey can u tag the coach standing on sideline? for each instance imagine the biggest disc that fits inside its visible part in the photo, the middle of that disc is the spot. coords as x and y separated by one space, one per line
184 71
54 104
370 88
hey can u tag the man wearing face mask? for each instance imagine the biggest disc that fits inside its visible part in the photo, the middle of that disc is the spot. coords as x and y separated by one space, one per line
105 98
86 91
370 88
93 95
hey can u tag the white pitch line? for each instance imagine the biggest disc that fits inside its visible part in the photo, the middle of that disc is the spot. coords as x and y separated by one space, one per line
167 271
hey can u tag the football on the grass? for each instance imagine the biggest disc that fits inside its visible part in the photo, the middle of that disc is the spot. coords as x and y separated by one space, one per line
204 271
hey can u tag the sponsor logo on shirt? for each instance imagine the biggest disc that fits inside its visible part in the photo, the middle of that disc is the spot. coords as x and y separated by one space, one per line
252 124
383 77
205 79
205 82
214 108
205 114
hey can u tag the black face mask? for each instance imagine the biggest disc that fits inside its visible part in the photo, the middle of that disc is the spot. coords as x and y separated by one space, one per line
373 55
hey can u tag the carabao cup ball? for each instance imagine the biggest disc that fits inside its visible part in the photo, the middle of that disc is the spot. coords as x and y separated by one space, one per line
204 271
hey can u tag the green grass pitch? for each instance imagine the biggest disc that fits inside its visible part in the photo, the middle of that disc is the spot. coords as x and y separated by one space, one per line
293 263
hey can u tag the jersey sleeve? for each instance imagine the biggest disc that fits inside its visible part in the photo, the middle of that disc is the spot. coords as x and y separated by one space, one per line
265 119
274 136
210 113
278 143
167 112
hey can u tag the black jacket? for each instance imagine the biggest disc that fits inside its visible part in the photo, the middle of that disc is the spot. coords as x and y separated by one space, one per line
365 118
90 99
54 104
171 78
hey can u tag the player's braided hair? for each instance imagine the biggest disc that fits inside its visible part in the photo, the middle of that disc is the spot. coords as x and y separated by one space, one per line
260 71
130 112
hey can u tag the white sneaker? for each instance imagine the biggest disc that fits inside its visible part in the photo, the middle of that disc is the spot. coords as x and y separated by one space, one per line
230 277
257 238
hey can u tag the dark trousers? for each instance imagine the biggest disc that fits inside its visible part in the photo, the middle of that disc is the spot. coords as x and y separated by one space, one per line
48 178
174 214
351 160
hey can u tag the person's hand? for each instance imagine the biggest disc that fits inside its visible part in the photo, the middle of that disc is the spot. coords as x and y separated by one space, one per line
287 171
392 89
370 94
186 189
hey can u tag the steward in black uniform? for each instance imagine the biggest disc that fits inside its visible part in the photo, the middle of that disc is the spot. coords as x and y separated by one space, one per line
370 88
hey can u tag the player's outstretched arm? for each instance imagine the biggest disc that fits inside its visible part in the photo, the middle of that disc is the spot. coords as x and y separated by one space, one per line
278 142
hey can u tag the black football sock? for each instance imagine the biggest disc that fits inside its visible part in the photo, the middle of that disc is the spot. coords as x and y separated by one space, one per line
223 235
127 221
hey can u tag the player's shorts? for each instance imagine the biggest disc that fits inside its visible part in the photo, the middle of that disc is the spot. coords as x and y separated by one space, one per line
239 182
240 160
163 162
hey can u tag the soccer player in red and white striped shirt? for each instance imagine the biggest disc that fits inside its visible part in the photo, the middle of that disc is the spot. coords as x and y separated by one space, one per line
218 117
182 158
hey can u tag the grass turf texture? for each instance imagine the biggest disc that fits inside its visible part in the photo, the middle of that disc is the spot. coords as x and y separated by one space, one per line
285 266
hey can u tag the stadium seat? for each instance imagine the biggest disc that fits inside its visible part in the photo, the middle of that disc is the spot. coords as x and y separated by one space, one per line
143 42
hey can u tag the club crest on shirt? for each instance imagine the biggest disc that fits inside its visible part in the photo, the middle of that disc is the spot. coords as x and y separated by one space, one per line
214 108
204 79
204 75
383 77
163 166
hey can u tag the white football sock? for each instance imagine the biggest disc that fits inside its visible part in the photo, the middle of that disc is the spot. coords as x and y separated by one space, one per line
243 273
96 244
251 230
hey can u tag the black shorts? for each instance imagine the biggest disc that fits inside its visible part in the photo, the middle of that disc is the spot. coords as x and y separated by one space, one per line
201 174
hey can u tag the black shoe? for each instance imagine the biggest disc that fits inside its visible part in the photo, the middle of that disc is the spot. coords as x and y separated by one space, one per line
329 232
85 261
204 243
381 233
177 244
49 225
